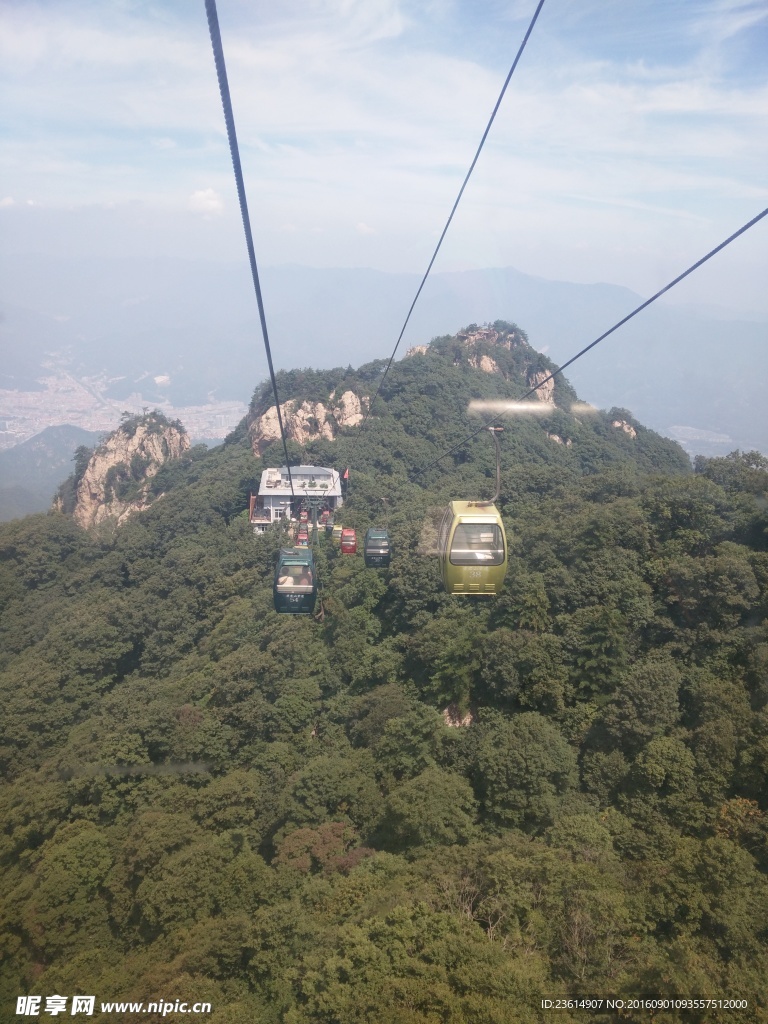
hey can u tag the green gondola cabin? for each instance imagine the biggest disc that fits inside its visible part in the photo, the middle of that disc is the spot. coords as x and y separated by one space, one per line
295 587
377 548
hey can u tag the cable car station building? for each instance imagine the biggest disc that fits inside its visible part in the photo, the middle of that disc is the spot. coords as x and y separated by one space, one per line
274 500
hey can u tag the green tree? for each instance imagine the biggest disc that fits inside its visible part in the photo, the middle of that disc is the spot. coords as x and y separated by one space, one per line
436 808
665 770
63 905
334 787
524 768
597 640
644 706
411 743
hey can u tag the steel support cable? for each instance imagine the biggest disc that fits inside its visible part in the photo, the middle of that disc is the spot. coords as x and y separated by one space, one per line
455 205
559 370
229 118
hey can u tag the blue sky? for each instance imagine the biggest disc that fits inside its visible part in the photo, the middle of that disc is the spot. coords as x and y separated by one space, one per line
632 139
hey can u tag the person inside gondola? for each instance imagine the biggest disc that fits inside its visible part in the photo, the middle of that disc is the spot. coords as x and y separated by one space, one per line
295 576
290 576
473 542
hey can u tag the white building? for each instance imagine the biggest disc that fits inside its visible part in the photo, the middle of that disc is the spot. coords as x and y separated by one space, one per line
275 501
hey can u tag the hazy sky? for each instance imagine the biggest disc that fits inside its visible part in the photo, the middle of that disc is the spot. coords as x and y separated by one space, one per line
632 138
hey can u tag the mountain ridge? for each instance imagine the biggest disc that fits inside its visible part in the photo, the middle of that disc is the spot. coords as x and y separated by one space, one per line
168 318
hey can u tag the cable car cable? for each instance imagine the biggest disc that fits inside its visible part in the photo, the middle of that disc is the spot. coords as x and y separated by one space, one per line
229 118
643 305
455 205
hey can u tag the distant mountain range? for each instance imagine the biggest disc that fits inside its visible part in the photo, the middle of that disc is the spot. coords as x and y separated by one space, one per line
186 332
30 472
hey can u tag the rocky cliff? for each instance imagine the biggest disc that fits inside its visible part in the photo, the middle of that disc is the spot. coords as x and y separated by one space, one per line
545 392
116 481
471 338
507 337
501 348
307 421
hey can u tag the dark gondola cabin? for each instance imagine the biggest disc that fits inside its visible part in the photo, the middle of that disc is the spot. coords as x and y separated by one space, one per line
472 548
377 548
295 588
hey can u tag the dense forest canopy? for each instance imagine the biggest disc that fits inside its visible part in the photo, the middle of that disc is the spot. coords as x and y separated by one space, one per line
213 802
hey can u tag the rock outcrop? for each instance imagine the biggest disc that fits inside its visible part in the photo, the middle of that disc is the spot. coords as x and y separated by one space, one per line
625 426
504 339
472 336
456 719
306 421
485 348
486 363
546 393
116 481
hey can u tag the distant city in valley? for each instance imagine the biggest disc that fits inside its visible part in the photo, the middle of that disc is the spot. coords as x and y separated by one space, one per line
64 399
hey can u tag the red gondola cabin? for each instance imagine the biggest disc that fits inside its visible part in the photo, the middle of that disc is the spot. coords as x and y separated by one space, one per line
348 541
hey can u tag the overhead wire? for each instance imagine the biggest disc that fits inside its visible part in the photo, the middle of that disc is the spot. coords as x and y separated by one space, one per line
616 326
229 118
453 210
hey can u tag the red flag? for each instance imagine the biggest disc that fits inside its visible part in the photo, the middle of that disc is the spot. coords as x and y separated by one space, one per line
346 474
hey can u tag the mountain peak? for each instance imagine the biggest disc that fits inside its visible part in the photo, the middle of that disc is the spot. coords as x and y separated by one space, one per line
112 481
305 420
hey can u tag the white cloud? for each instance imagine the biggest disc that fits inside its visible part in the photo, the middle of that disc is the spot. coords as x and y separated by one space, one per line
372 109
7 201
206 200
727 18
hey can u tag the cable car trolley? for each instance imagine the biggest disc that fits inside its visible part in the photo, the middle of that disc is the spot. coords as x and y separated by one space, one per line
472 544
377 548
295 588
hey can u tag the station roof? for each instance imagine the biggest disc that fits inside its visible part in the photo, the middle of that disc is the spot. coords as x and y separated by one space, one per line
307 480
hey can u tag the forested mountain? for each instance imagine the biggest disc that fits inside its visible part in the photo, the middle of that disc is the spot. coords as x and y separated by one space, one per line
208 801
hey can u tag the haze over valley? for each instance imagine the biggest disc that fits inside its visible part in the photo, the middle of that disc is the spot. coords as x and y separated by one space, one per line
87 339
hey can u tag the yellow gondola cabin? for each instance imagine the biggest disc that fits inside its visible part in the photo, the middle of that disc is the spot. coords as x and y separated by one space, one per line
473 548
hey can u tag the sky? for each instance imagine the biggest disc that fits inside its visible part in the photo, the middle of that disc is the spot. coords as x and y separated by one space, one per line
632 138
